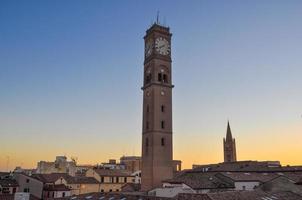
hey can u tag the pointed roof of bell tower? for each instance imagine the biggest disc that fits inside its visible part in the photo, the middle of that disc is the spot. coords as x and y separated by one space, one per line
229 133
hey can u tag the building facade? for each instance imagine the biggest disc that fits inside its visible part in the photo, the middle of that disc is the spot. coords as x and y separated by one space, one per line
60 165
229 146
111 180
157 108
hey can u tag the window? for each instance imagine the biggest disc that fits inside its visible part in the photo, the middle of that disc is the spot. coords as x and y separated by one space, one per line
63 194
102 179
162 141
147 142
160 77
117 179
110 190
148 78
147 125
5 190
163 124
165 79
26 190
117 190
125 179
162 108
147 108
27 180
102 190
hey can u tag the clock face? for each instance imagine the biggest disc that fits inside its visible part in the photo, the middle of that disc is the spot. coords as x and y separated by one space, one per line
148 48
162 46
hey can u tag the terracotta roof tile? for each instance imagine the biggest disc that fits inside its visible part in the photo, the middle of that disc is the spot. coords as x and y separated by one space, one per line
201 180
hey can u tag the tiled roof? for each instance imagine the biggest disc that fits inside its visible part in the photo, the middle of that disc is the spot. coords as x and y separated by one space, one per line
11 197
2 174
81 180
191 196
254 195
294 176
250 176
200 180
60 187
234 195
113 196
131 187
50 178
8 183
246 166
113 172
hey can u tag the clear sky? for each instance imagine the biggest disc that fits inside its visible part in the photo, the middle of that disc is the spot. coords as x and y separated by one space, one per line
71 72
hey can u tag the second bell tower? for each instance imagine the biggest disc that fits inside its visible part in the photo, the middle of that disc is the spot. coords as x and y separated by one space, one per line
157 148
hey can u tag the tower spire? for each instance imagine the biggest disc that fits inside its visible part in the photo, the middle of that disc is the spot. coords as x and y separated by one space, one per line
229 132
229 146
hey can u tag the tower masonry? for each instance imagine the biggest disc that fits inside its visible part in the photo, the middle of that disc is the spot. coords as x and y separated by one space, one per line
157 150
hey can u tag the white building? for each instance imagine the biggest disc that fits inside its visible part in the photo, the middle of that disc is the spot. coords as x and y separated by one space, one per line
60 165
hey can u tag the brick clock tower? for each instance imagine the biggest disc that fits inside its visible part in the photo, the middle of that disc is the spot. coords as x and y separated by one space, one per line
157 108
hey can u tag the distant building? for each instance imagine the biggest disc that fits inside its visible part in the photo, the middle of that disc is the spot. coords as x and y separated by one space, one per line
111 180
56 185
231 176
112 164
8 186
82 169
28 184
229 146
131 163
137 177
247 166
60 165
29 172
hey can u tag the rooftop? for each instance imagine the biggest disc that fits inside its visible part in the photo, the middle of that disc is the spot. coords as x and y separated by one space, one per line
199 180
113 172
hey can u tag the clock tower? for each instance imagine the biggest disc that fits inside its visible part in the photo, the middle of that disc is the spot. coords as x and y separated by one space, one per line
157 151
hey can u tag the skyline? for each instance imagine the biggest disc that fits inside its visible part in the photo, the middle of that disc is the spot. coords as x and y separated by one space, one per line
71 75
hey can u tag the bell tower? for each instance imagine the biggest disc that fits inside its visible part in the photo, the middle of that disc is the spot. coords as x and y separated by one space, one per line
229 146
157 149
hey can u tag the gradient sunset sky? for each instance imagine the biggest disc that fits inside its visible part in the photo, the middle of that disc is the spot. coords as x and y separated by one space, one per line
71 72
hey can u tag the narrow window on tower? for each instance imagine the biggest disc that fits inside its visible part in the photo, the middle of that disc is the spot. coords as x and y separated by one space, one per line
163 124
162 141
162 108
165 79
149 77
147 125
147 108
147 142
159 77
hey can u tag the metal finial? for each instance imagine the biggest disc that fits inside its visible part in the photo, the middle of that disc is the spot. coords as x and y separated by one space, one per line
157 18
